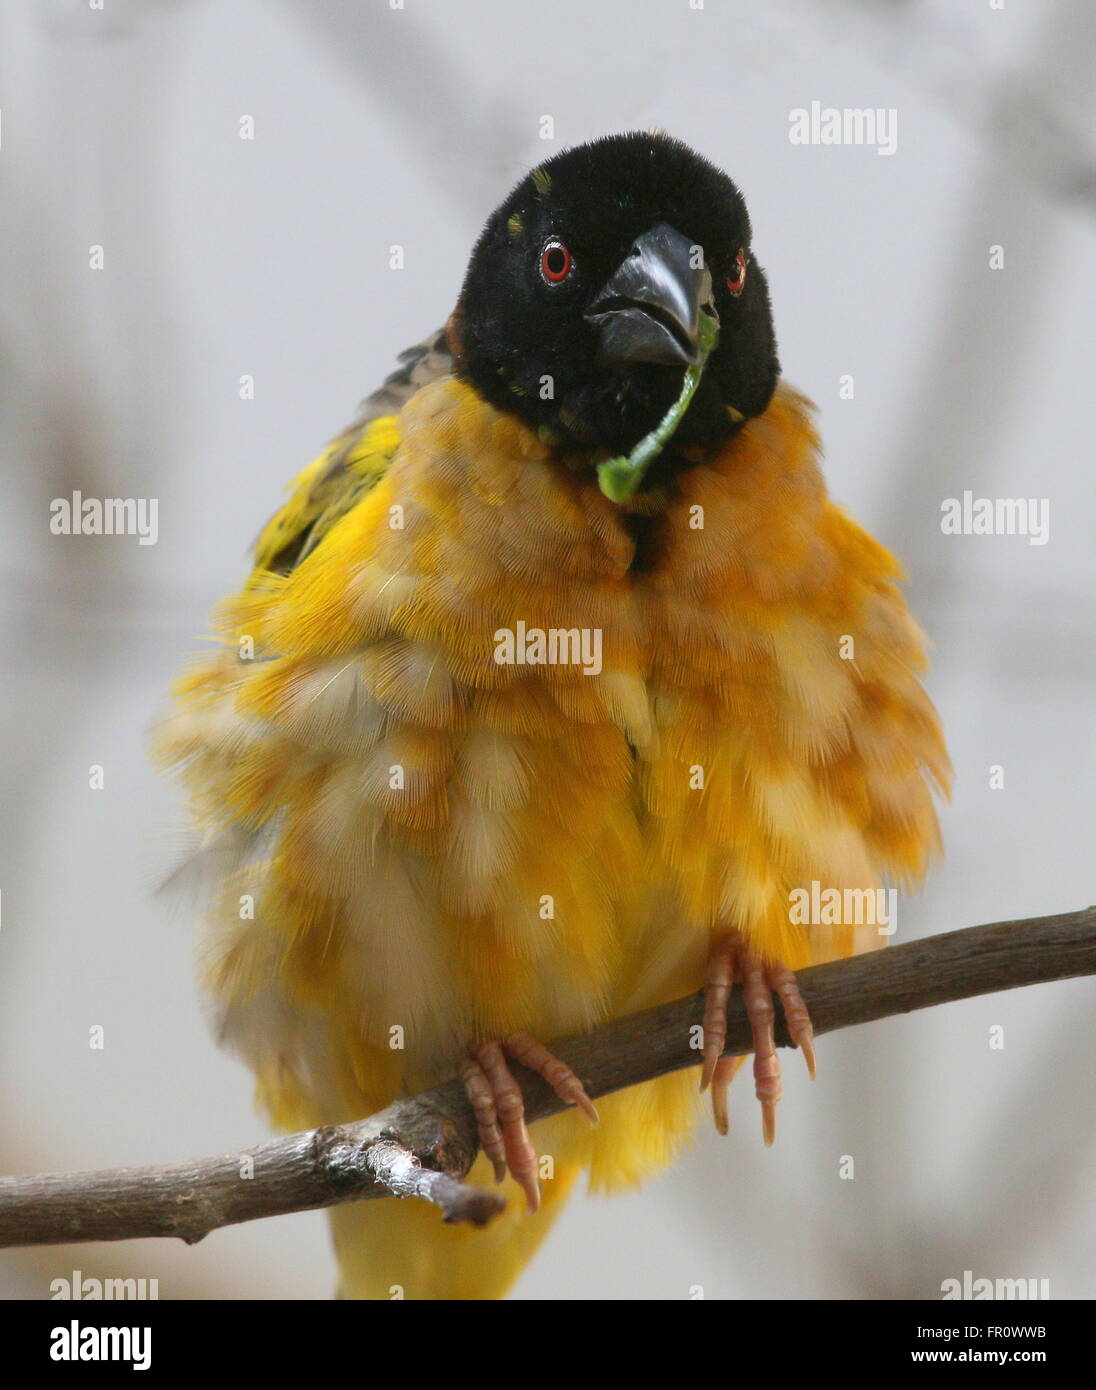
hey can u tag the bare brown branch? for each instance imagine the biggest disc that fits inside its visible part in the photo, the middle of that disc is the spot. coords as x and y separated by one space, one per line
424 1145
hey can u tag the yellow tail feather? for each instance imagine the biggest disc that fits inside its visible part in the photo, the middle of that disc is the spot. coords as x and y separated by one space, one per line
393 1248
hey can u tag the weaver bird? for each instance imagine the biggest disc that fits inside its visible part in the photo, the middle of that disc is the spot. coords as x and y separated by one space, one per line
555 678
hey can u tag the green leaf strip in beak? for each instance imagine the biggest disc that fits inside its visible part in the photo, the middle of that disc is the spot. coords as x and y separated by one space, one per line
620 478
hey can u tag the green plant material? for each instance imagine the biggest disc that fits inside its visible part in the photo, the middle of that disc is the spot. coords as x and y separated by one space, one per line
620 478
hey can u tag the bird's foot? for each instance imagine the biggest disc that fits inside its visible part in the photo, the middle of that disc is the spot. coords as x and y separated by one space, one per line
496 1098
730 962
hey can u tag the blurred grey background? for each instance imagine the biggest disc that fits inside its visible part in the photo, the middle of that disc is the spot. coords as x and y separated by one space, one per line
269 257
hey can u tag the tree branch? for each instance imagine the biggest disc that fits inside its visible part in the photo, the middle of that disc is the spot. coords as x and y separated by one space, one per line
422 1146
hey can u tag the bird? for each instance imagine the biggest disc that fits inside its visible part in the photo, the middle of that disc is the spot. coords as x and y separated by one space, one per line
553 681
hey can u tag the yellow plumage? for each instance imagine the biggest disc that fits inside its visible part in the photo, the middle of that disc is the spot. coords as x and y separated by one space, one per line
437 846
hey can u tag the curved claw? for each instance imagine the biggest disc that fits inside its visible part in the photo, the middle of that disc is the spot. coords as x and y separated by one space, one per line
725 1072
509 1106
534 1055
760 980
499 1106
717 992
783 981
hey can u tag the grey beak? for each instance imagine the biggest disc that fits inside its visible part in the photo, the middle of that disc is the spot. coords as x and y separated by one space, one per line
649 308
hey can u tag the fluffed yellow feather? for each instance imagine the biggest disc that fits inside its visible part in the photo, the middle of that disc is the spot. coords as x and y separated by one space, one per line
438 846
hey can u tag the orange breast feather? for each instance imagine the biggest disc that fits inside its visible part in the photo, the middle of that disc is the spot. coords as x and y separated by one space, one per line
435 844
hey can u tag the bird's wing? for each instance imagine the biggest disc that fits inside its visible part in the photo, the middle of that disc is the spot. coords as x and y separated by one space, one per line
352 464
427 361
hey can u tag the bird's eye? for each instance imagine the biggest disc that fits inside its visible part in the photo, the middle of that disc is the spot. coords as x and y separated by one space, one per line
555 262
737 279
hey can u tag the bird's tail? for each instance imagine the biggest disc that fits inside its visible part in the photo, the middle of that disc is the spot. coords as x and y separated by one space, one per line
401 1248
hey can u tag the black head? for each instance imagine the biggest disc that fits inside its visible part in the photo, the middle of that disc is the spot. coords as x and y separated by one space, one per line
580 307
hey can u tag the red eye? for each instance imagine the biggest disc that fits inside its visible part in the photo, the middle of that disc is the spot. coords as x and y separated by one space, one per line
736 281
555 262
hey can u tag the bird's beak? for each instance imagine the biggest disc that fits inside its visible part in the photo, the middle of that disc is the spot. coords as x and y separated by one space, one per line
649 308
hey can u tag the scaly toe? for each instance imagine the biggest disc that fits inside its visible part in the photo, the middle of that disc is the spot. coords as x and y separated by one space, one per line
534 1055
